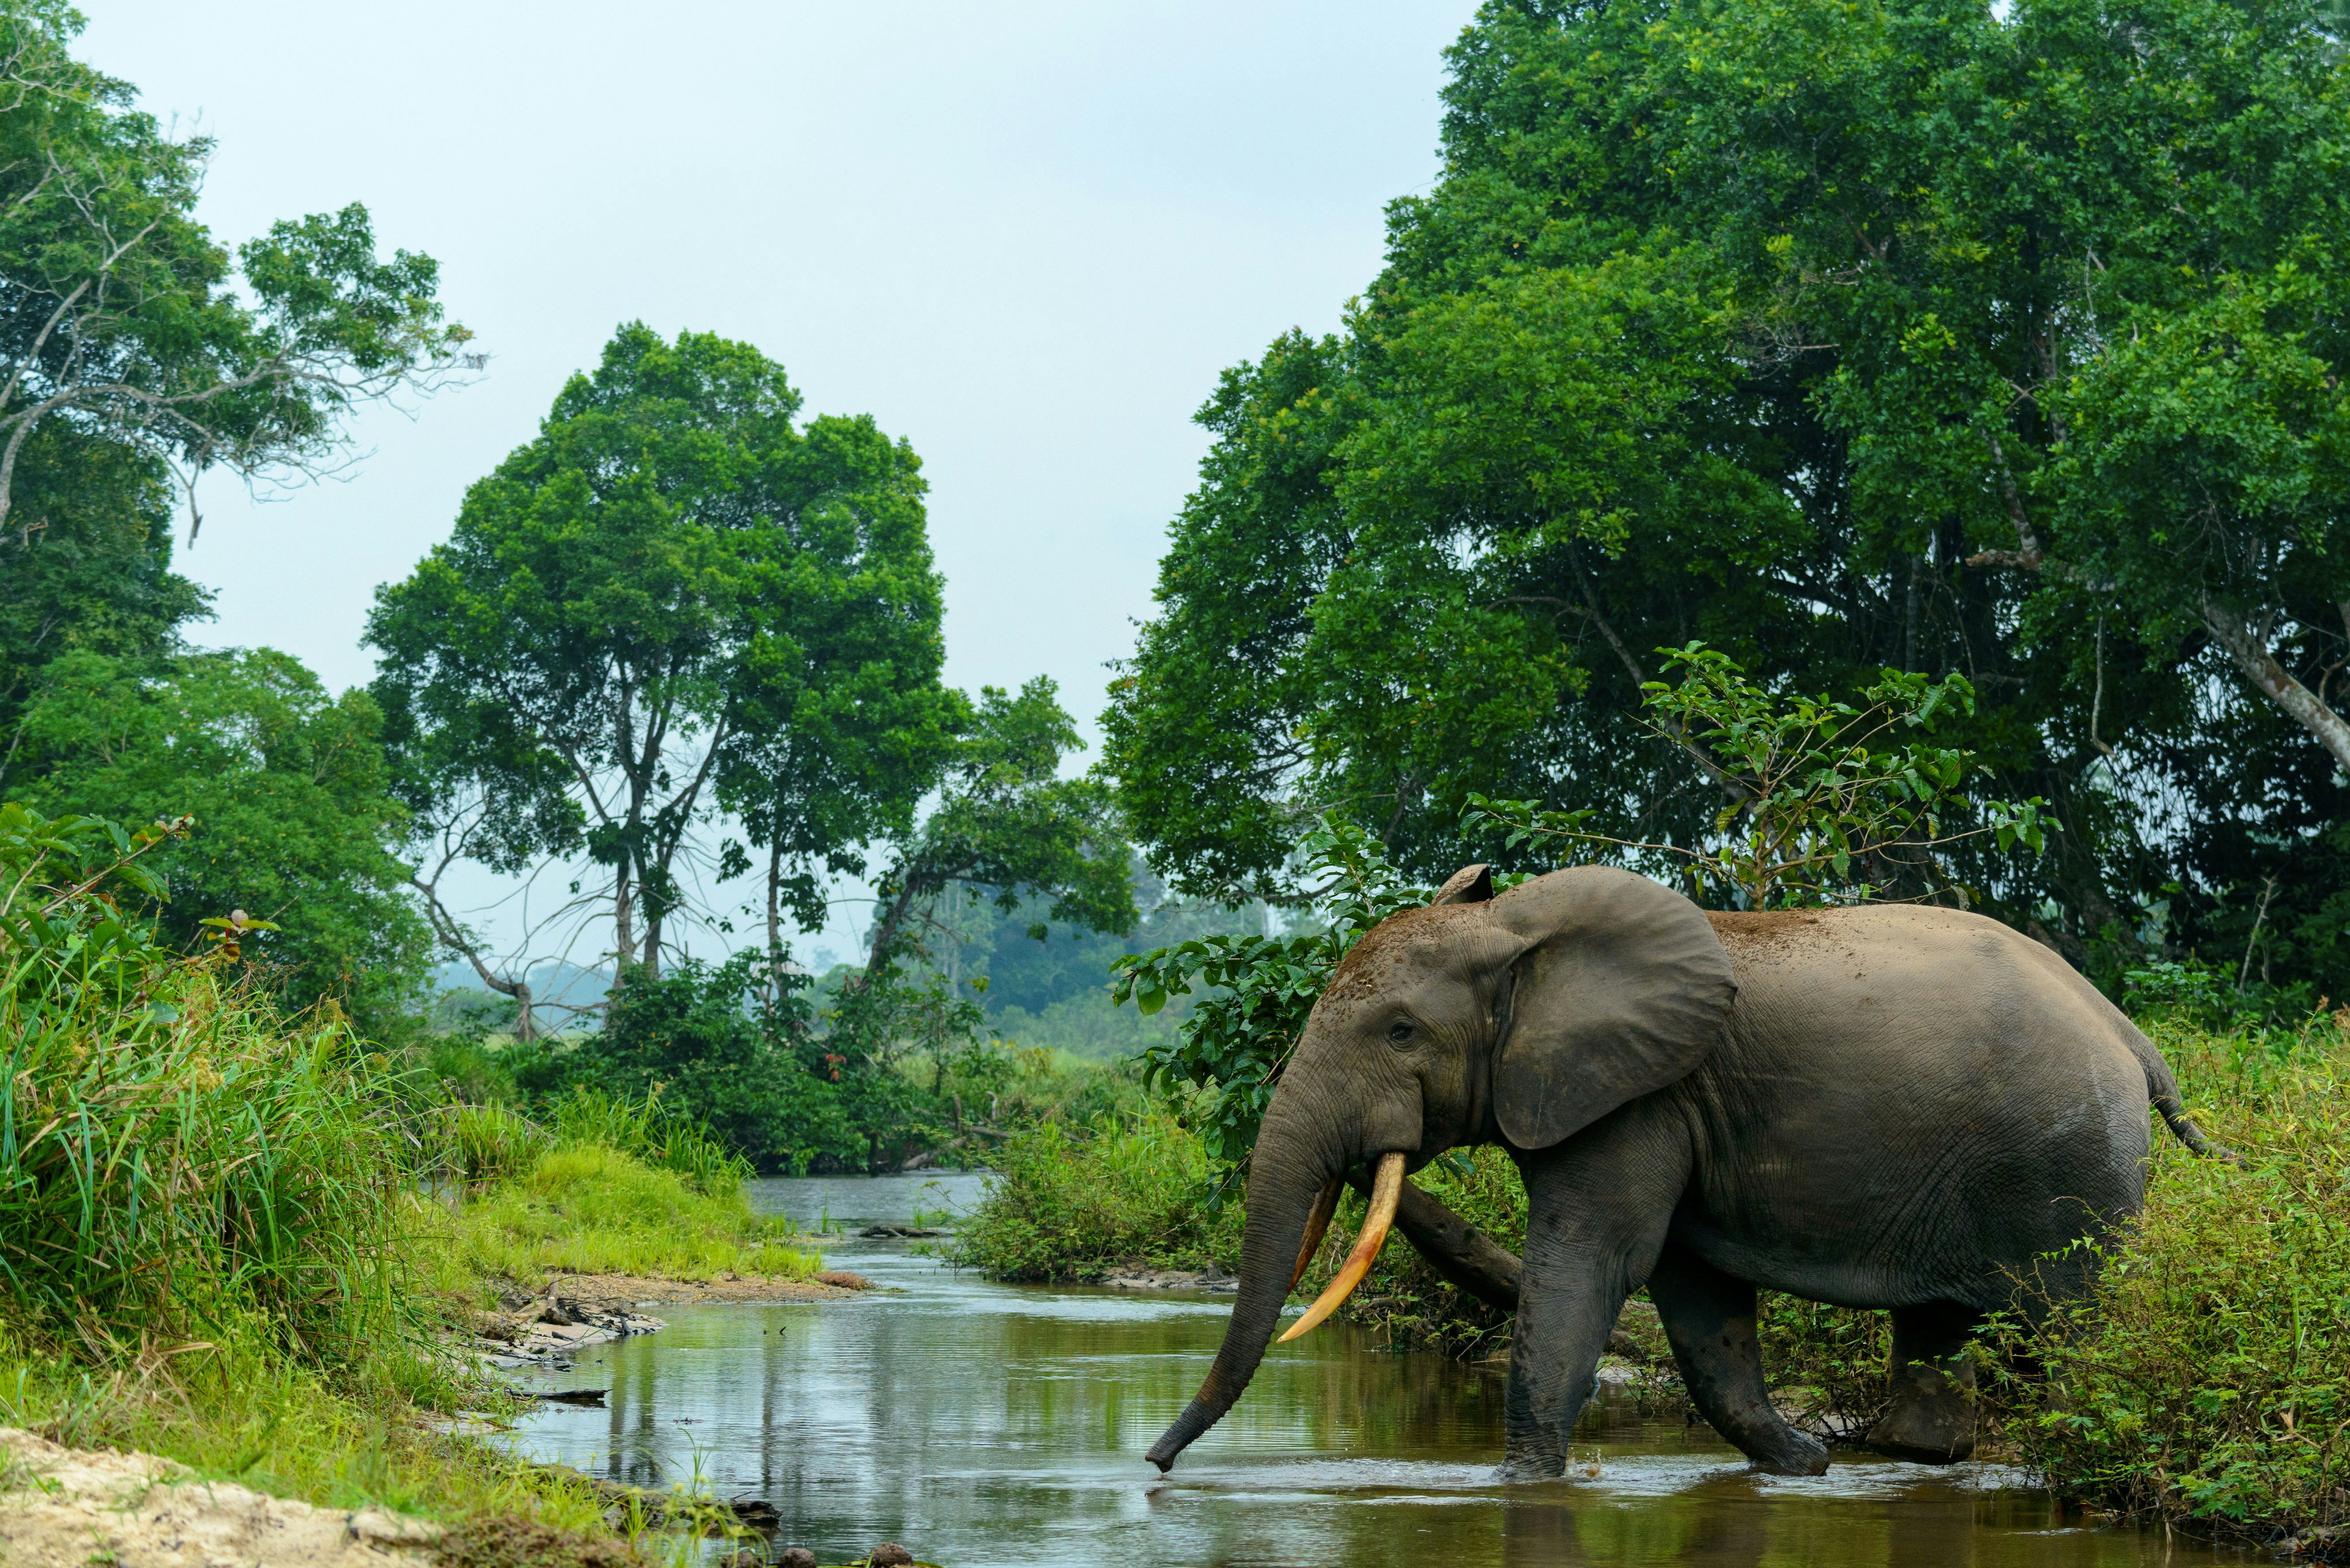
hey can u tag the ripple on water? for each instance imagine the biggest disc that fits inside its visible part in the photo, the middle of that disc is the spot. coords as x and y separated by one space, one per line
992 1427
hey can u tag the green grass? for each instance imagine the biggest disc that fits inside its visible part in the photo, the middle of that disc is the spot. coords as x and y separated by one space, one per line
1067 1203
589 1210
205 1250
215 1240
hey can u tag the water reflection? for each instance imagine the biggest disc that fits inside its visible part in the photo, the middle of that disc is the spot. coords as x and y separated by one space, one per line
987 1425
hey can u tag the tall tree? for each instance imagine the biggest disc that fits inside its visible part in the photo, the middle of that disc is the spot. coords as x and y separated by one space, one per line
121 316
1006 828
1841 338
672 594
837 723
95 575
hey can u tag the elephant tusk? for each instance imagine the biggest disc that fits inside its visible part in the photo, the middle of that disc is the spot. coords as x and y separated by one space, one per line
1317 1225
1387 1189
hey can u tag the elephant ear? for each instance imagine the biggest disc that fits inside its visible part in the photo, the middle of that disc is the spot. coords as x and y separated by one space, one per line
1469 885
1620 989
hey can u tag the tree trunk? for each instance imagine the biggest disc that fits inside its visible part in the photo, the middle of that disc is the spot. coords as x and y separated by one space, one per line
2274 682
775 919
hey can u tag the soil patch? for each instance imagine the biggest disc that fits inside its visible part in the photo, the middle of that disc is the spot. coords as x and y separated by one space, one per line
76 1506
619 1292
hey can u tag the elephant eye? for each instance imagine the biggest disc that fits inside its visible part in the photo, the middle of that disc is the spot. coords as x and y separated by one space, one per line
1397 1035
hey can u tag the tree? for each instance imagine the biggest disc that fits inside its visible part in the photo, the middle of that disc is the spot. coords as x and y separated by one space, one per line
1008 826
669 597
119 315
1908 335
294 818
96 575
837 721
1829 803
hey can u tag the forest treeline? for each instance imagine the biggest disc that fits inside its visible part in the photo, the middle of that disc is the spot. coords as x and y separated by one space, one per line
1856 345
1999 342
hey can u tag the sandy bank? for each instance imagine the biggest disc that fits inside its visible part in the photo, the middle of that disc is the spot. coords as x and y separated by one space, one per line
76 1506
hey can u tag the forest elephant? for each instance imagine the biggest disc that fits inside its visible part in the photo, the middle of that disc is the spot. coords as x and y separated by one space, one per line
1877 1105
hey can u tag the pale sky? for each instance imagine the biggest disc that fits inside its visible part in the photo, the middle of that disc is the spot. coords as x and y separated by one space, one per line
1024 236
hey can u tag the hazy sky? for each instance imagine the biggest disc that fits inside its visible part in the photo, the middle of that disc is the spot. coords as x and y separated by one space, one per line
1024 236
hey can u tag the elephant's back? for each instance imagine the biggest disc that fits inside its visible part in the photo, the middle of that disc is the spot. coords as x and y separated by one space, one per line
1938 970
1923 1091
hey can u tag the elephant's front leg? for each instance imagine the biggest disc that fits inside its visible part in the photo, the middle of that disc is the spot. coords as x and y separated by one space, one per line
1597 1208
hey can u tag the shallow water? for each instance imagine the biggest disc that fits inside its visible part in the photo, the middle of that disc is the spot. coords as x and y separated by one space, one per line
989 1425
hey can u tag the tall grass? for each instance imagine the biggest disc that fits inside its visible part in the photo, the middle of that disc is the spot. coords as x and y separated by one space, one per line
482 1144
588 1208
177 1166
178 1181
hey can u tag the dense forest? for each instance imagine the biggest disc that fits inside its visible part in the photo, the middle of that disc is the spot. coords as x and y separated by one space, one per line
1841 339
1920 341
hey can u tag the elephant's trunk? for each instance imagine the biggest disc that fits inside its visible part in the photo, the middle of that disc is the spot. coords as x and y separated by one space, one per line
1286 1179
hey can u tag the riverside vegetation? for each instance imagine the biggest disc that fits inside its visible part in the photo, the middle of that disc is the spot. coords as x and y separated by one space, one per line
2206 1379
218 1230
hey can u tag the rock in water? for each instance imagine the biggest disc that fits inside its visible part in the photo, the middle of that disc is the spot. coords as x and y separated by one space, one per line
889 1554
795 1557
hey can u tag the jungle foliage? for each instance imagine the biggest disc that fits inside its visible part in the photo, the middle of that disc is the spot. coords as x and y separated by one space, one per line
122 320
294 818
1903 336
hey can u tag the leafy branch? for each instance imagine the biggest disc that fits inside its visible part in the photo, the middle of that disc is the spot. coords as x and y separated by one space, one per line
1836 803
1256 990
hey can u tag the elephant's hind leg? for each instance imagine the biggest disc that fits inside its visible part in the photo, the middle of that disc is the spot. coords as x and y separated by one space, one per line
1709 1317
1931 1420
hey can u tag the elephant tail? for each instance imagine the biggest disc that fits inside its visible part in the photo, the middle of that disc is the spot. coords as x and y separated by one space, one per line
2162 1090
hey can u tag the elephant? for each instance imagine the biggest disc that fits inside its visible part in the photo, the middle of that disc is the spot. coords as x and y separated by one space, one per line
1888 1106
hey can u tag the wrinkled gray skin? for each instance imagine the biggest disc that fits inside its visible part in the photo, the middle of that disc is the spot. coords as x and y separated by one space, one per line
1886 1106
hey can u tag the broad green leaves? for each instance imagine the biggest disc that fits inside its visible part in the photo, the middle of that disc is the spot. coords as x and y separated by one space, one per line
1840 340
293 817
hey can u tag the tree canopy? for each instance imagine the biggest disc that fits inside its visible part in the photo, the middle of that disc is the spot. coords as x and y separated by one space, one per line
122 318
295 822
672 598
1842 338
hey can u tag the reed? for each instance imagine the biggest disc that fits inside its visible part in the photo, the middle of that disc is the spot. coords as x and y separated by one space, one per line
178 1166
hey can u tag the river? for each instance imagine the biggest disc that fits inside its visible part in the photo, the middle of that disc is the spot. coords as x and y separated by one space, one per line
991 1425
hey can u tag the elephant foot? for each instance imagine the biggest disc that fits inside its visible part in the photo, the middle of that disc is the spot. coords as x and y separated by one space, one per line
1530 1468
1793 1454
1932 1421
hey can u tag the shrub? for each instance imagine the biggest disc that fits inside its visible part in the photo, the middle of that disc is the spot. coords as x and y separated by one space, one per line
591 1210
1066 1203
2206 1378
